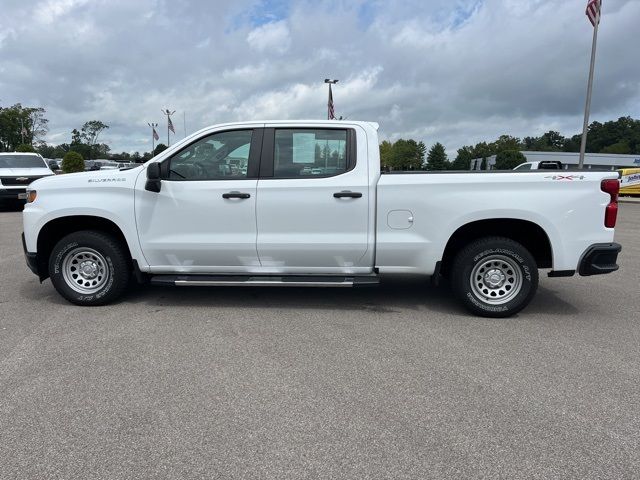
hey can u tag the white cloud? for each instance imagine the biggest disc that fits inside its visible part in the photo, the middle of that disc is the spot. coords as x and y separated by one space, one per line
50 10
270 37
457 72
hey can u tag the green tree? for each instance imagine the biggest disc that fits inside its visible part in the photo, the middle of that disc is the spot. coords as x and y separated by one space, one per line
47 151
161 147
20 124
509 159
506 142
437 158
72 162
77 143
90 132
463 159
407 155
386 154
25 147
618 147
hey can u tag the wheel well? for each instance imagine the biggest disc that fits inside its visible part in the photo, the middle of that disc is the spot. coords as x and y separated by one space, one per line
54 230
529 234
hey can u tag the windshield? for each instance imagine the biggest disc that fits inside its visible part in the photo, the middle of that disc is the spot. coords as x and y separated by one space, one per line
21 161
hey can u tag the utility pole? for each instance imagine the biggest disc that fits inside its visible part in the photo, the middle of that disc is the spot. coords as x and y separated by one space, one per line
331 114
587 106
168 113
154 136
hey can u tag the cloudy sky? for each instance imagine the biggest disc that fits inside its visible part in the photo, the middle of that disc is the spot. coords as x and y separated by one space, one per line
454 71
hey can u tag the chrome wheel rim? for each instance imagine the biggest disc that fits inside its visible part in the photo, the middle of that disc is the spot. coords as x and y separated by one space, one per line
85 270
496 280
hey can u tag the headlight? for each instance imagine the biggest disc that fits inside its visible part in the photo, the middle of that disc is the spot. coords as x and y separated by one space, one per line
31 196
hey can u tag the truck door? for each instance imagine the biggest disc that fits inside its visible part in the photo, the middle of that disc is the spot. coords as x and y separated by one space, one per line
204 217
313 201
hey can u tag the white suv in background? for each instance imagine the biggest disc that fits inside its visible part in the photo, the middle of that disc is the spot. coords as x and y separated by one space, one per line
17 171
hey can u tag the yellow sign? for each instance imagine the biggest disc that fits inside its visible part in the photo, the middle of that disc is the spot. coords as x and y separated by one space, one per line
630 181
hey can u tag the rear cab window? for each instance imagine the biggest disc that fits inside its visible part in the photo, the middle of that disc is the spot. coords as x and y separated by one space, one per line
307 152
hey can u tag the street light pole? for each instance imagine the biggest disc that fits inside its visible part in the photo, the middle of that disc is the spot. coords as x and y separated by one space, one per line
331 115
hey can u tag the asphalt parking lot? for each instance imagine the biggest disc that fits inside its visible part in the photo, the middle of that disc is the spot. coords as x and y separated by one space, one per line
390 382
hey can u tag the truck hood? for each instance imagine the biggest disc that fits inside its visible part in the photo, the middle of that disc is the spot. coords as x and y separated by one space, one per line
98 178
25 172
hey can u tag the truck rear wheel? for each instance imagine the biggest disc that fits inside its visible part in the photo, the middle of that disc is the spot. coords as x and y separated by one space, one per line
89 268
494 277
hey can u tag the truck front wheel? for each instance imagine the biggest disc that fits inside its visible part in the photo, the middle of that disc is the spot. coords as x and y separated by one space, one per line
494 277
89 268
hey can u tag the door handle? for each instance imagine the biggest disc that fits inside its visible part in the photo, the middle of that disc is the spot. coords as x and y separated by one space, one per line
235 195
347 194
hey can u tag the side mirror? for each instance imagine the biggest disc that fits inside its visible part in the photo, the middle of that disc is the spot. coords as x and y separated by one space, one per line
154 184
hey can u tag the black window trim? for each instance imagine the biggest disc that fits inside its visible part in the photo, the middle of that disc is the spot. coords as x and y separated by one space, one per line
268 147
253 163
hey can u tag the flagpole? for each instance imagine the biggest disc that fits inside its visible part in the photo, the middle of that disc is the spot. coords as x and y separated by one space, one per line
168 113
587 107
330 100
153 136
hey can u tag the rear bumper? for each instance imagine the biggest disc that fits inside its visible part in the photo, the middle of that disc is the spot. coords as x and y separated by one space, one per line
31 258
599 259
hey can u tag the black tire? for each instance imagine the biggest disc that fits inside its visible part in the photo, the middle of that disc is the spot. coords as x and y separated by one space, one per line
494 277
103 255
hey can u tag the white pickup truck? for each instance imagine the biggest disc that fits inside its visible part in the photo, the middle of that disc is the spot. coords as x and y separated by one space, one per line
17 171
303 203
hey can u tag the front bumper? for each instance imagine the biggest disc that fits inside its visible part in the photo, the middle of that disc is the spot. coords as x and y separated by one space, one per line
13 193
599 258
31 258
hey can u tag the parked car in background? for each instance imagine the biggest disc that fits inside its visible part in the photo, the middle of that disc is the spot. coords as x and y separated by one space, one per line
542 165
17 171
92 165
109 165
53 165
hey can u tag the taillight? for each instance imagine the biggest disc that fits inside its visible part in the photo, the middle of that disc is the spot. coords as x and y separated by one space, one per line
612 187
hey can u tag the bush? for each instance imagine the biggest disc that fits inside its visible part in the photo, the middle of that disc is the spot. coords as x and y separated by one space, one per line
72 162
25 148
509 159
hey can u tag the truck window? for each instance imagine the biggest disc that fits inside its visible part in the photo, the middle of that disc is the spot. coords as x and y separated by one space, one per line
523 166
309 153
221 156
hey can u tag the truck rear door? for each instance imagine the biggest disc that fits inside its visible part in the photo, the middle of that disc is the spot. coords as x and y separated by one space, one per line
313 201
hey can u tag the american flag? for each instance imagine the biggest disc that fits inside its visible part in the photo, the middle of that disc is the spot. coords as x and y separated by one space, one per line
332 112
155 134
171 124
593 11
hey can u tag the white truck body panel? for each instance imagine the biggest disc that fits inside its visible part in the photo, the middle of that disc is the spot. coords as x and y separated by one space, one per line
569 211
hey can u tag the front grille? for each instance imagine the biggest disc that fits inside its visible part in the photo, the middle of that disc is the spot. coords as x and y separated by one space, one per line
17 181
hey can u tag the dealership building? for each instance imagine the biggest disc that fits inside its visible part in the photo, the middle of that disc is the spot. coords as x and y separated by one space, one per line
608 161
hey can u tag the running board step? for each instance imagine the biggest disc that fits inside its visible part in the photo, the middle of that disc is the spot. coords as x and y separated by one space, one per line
264 280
